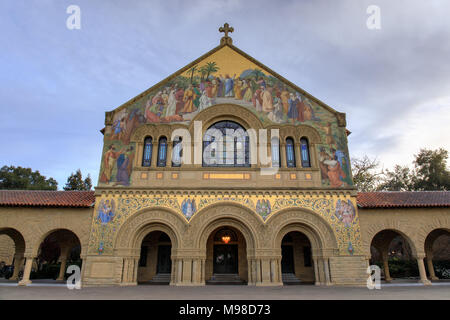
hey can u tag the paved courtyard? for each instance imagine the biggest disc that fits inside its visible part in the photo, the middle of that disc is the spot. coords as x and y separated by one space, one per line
59 291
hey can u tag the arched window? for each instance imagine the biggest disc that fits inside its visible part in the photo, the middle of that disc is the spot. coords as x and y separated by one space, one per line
147 154
290 153
226 144
304 153
275 147
177 152
162 152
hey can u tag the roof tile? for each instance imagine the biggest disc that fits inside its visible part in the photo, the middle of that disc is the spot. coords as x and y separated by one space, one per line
40 198
86 199
403 199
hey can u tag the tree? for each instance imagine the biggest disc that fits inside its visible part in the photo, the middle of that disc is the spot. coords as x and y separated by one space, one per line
75 182
257 74
431 171
202 71
18 178
401 179
192 71
366 175
211 67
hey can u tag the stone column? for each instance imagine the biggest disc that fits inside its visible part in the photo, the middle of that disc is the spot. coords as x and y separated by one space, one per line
298 159
135 270
26 273
154 159
387 274
251 272
62 268
422 271
280 277
312 155
275 274
203 272
169 153
431 268
125 271
258 279
18 263
172 271
316 272
139 154
327 272
265 271
179 271
129 272
283 163
187 271
197 271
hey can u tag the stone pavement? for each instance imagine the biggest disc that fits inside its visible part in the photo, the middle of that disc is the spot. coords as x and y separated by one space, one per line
218 292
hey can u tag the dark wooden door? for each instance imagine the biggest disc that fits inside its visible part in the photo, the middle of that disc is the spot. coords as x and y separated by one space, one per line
225 258
287 259
164 263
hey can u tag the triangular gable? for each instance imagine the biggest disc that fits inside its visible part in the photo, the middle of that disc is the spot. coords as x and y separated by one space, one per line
230 61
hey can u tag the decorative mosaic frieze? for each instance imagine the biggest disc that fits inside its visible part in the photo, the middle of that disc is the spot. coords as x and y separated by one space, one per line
339 212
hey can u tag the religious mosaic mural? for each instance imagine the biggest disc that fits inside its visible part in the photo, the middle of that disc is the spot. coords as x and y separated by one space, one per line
340 214
228 77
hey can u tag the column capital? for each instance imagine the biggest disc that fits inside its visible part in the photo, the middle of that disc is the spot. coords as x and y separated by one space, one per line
420 255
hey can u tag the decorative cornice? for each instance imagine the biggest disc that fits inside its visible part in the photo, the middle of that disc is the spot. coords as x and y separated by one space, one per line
283 192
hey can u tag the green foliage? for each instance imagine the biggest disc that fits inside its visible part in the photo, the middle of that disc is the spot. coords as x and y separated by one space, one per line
399 268
431 171
401 179
442 269
211 67
18 178
46 271
366 175
75 182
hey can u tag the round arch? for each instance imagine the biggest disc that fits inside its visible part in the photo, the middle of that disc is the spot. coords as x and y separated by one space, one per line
219 112
432 236
73 237
136 227
376 228
227 214
316 228
17 238
312 236
427 227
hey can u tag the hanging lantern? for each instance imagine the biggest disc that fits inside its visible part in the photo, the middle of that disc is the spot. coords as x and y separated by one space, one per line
226 239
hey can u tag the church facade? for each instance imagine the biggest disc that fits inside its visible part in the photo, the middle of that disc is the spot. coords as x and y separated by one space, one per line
223 172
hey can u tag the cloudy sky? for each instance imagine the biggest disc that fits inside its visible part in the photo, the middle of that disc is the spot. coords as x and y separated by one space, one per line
56 83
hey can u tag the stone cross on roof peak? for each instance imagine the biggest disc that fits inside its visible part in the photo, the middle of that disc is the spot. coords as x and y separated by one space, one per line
226 29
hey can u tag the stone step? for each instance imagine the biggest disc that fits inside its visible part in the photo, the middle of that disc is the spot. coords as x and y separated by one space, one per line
290 278
230 279
163 278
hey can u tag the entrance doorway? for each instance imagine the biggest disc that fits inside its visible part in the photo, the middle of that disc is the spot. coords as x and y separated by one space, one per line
164 263
287 260
296 260
155 263
226 261
225 258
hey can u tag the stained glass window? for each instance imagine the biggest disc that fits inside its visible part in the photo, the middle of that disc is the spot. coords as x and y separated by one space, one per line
177 152
304 152
147 154
162 152
226 144
290 153
275 146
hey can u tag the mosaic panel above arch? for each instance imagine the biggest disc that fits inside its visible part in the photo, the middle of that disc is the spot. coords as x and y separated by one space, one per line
339 212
